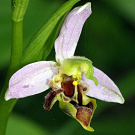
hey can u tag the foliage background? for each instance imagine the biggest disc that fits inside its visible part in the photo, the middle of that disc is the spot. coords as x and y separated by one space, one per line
108 39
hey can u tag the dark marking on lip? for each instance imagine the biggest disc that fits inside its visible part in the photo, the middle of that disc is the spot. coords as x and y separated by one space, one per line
79 95
74 104
68 88
84 115
90 105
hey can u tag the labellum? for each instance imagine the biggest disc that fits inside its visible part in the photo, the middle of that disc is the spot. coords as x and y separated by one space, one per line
73 101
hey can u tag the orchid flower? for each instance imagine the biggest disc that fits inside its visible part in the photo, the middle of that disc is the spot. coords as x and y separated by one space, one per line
73 79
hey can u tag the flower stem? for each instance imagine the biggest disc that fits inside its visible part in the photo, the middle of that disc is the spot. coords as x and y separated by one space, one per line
16 55
18 11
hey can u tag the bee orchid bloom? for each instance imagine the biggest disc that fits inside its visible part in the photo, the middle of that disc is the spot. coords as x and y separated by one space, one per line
73 79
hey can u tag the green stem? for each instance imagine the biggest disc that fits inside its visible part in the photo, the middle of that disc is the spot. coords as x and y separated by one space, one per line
18 10
16 55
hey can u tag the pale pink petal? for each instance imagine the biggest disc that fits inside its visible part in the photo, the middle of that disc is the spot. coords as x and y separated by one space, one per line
31 79
66 42
105 90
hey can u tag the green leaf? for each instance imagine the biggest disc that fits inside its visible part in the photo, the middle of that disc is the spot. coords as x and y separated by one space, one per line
50 42
36 44
22 126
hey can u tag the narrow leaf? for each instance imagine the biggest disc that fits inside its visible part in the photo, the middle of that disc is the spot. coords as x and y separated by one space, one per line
36 44
50 42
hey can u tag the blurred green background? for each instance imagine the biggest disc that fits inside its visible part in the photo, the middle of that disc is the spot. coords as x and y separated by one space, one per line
108 39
